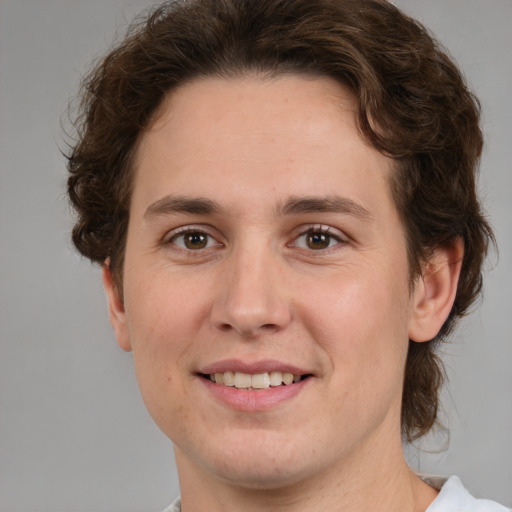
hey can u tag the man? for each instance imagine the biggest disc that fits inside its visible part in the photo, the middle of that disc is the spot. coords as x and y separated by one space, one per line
282 198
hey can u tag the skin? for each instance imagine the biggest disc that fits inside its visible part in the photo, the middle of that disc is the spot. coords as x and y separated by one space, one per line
263 288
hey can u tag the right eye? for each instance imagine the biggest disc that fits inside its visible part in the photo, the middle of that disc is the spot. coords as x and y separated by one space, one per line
193 240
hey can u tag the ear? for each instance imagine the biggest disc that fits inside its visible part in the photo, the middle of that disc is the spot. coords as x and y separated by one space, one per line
435 291
116 308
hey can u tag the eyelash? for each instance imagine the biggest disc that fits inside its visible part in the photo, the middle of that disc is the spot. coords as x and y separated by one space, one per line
190 230
319 230
211 242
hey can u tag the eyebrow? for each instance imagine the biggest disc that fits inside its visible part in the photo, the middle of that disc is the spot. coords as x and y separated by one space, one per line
181 204
293 206
330 204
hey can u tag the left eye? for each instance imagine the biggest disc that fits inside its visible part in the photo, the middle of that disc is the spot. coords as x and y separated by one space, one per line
316 240
193 240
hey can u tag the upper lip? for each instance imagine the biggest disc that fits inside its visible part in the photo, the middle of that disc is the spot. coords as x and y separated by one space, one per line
265 366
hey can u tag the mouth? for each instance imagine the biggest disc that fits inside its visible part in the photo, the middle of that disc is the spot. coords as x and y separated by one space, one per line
255 386
255 381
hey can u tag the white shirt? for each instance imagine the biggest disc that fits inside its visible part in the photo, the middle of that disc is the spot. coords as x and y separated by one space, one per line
453 497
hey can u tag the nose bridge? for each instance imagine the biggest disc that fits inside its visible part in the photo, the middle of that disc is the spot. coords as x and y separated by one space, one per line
252 296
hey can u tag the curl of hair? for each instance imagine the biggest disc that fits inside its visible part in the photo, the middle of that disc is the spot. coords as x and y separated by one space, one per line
413 105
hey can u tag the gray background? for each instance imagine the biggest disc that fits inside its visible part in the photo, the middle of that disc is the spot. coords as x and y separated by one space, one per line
74 435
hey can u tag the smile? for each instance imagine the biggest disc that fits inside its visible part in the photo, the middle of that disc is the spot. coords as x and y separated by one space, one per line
254 386
255 381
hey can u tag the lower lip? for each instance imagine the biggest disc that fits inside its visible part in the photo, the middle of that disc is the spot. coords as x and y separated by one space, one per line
257 400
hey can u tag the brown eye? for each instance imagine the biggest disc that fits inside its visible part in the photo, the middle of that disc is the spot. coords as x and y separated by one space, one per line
193 240
318 240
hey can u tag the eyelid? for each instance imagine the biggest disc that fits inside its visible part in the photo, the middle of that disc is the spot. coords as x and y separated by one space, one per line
320 228
171 235
329 230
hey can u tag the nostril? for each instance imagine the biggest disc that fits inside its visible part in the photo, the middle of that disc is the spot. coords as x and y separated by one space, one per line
247 330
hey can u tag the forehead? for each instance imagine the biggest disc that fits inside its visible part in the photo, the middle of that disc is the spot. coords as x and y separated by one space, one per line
286 136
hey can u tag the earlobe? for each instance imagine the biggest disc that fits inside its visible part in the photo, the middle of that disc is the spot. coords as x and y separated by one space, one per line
435 291
116 308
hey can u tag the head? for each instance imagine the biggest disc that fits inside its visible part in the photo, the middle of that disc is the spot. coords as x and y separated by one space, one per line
411 105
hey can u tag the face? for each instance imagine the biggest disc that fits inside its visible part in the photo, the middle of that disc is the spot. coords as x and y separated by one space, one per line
264 251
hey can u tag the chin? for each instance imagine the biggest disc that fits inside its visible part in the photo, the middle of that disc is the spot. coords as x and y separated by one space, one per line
268 475
269 463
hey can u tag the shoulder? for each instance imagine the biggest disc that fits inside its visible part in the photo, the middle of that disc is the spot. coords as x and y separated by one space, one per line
175 506
454 497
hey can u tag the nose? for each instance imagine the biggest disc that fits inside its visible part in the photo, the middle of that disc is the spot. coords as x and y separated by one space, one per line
251 298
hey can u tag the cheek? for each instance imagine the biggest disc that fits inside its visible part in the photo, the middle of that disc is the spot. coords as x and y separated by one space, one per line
161 324
360 321
162 311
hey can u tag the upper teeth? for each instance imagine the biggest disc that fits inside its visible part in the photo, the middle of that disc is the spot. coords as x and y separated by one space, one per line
256 381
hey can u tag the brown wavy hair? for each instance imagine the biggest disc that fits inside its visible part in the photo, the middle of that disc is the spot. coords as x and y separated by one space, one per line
413 105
